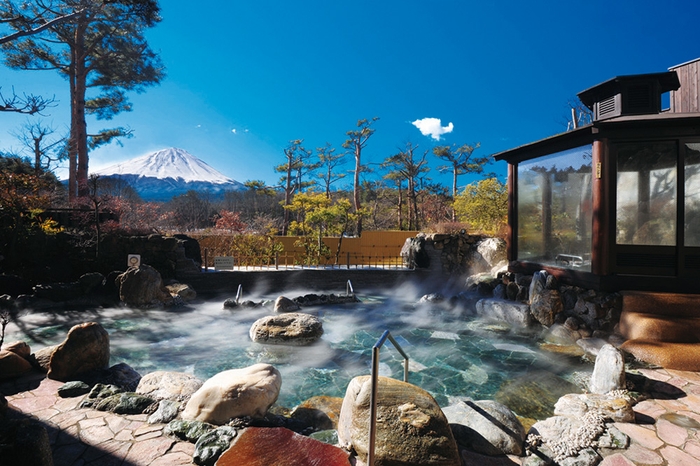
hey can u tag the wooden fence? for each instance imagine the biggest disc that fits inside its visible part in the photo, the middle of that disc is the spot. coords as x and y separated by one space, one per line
374 249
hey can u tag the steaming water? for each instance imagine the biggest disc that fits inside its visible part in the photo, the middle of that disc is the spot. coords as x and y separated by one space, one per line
451 356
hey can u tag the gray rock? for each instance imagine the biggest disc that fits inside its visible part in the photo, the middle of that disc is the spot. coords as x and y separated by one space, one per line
212 444
615 408
559 334
125 403
492 250
182 290
142 287
292 329
413 428
486 427
165 385
326 436
433 298
98 393
73 389
122 375
514 313
89 281
188 430
500 291
284 304
613 439
545 306
166 412
609 370
538 284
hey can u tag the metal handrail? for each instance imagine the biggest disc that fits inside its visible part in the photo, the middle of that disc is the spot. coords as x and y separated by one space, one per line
373 393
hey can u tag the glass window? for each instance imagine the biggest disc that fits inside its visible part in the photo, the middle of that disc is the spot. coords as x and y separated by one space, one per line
692 194
646 193
555 209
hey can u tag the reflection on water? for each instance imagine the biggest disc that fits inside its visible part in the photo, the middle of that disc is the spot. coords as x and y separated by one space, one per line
451 355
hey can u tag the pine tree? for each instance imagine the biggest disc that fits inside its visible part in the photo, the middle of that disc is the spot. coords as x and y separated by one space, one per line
101 47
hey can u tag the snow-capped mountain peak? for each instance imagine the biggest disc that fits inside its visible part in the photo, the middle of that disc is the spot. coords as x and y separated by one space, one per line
174 163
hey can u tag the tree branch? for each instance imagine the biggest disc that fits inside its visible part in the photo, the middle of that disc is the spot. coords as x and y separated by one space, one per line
48 24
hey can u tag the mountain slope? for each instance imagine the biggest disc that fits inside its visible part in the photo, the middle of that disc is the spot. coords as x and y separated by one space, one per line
169 172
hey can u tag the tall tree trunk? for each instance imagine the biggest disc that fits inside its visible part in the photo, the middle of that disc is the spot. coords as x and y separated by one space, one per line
287 198
77 147
454 193
356 189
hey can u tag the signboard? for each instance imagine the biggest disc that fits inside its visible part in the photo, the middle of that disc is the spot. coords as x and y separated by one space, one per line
223 263
133 260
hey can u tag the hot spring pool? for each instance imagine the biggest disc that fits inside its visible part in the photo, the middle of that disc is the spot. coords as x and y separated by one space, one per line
451 356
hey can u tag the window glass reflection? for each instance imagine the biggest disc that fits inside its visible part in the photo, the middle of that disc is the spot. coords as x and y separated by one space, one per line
646 193
555 209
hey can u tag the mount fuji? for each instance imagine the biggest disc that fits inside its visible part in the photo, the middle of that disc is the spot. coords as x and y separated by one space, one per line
167 173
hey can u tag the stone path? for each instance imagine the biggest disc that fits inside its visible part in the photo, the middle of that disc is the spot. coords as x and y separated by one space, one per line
86 437
667 432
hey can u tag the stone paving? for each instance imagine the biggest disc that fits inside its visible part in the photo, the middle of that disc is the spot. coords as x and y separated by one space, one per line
667 431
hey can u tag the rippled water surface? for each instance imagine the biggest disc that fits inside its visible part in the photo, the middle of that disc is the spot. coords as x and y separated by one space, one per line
450 355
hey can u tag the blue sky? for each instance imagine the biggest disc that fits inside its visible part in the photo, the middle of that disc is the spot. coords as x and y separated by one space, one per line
245 78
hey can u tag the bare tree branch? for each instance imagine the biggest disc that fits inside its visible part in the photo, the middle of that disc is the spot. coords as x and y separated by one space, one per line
28 104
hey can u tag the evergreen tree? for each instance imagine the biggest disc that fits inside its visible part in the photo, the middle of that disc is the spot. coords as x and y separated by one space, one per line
100 46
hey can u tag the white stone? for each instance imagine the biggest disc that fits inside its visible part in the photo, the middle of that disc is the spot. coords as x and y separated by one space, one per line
609 371
235 393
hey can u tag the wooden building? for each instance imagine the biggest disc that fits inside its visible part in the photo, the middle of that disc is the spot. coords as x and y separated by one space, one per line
615 204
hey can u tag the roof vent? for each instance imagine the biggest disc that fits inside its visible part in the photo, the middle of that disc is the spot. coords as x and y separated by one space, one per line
629 95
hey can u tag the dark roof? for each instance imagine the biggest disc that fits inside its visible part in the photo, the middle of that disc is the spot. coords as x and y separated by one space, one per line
668 81
587 133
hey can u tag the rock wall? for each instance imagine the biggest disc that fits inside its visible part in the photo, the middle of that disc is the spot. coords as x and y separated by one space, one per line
454 255
65 256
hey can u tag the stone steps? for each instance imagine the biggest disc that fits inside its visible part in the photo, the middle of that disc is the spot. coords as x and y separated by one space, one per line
662 328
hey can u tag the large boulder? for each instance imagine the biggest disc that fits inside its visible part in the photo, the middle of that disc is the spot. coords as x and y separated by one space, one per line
235 393
142 287
486 427
12 365
413 430
85 348
165 385
292 329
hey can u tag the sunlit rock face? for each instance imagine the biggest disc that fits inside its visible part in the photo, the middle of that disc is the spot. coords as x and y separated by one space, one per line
85 348
142 287
235 393
166 385
293 329
413 430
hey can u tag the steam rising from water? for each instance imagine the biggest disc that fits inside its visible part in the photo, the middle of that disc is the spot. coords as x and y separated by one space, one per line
451 355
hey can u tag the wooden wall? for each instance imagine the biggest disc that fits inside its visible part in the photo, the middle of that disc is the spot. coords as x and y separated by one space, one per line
687 98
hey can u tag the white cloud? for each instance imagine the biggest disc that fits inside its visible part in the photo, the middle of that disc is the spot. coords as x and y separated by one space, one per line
234 131
432 127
